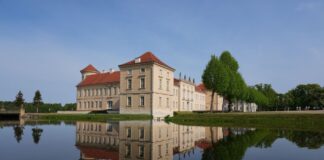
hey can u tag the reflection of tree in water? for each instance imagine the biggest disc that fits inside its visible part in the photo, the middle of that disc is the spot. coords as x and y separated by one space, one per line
234 146
19 131
310 140
37 132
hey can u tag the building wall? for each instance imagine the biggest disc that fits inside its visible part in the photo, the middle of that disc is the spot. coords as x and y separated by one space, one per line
157 92
97 97
136 91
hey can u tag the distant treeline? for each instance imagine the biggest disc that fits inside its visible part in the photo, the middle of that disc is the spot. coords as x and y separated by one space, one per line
302 97
43 108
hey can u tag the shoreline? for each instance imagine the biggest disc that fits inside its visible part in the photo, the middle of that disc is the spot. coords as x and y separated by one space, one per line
300 120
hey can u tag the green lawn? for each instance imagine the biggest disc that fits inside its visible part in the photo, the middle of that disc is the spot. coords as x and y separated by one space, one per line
90 117
288 120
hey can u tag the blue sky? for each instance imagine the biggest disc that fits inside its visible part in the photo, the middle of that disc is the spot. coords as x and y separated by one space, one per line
45 43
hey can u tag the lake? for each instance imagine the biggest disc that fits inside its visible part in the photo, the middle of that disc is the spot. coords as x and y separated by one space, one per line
153 139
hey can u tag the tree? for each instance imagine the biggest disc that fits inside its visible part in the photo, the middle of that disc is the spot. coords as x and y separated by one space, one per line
215 78
236 82
37 132
229 61
19 131
270 93
19 99
37 100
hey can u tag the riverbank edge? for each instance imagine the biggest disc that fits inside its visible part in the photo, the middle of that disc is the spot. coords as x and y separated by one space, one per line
313 121
89 117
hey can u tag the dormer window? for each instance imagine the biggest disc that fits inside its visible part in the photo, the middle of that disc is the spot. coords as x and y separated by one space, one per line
129 72
138 60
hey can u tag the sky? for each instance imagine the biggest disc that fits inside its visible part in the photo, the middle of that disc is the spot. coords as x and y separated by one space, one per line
45 43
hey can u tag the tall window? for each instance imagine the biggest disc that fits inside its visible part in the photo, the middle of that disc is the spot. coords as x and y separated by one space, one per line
142 101
167 83
129 101
129 84
128 132
128 150
141 151
142 83
141 133
160 101
115 88
167 102
160 83
110 104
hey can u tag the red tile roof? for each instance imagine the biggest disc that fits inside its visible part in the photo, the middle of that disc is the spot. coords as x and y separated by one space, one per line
147 57
176 82
203 144
89 68
100 78
97 153
200 88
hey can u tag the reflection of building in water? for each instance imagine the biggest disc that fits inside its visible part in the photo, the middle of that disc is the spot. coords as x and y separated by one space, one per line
98 140
146 140
143 140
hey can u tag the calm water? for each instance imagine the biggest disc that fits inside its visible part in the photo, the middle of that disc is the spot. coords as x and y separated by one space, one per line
153 140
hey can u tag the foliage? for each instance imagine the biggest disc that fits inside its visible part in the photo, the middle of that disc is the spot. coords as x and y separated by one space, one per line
37 132
19 132
215 77
43 108
37 99
270 93
306 95
19 99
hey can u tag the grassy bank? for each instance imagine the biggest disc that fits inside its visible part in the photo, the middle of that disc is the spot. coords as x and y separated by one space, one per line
283 120
89 117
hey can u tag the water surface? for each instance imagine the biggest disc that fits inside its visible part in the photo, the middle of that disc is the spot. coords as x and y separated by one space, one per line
153 140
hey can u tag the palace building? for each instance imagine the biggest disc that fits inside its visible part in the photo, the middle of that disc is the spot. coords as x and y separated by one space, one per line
144 85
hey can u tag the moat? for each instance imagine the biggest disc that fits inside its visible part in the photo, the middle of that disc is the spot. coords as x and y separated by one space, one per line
153 139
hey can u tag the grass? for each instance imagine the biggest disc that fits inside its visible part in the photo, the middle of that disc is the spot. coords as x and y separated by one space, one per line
282 120
90 117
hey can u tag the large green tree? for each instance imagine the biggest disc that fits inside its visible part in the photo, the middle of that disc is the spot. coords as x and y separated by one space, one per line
215 78
37 101
235 91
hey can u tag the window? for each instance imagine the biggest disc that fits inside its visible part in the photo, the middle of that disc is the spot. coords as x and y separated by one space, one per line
141 151
129 72
160 101
160 83
142 70
142 101
110 104
159 151
129 101
161 73
167 102
166 148
142 83
110 128
167 84
129 84
128 150
115 89
141 133
128 132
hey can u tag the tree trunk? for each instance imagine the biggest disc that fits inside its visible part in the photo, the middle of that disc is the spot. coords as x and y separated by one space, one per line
212 101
